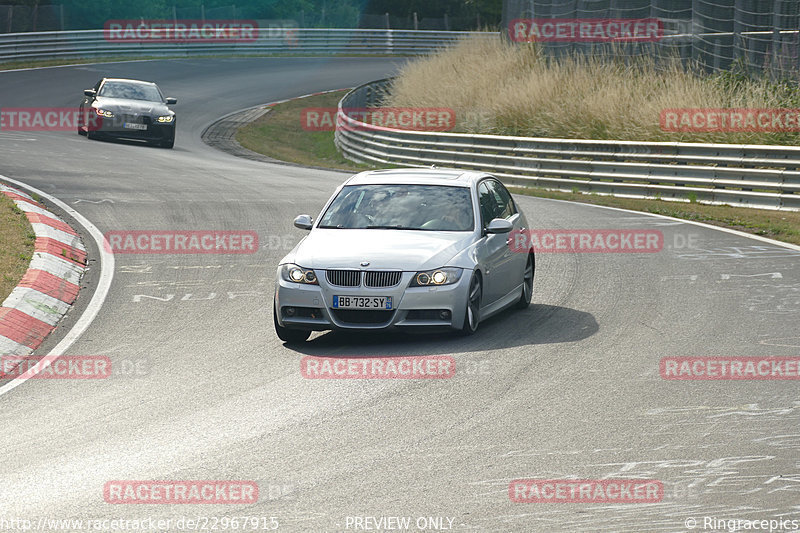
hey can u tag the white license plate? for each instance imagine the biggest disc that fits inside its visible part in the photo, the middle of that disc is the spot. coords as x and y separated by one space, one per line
134 126
362 302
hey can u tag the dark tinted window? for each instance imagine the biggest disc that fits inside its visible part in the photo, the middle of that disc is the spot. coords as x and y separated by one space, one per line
488 204
505 204
131 91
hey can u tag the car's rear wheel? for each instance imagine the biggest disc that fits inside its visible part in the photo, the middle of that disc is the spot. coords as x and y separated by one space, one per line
472 315
527 283
287 334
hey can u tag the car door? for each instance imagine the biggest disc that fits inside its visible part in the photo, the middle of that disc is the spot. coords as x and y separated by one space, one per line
493 249
510 265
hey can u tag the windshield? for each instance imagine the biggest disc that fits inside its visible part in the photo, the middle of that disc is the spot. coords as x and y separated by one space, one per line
416 207
131 91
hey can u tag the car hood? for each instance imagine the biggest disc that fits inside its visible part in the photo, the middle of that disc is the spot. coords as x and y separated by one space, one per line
407 250
132 106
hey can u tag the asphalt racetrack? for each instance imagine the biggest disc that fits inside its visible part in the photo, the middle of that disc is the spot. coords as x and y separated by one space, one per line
567 389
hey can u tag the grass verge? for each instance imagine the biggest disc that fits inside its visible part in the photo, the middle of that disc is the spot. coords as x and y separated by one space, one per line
16 245
279 134
497 87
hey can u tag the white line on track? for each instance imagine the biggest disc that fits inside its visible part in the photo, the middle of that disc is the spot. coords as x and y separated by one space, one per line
94 305
701 224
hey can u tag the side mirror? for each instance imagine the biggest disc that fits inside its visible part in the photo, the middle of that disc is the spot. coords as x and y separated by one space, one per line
171 100
303 222
89 92
499 225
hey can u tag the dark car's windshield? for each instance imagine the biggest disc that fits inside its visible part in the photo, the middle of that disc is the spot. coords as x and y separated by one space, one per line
417 207
131 91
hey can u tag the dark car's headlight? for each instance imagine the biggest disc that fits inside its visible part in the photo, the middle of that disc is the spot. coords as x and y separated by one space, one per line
298 274
103 112
439 276
166 119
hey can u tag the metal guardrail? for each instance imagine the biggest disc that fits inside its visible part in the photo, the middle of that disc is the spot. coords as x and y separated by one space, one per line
92 43
742 175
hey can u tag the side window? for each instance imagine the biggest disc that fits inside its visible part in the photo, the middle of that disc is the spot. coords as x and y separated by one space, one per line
487 202
506 207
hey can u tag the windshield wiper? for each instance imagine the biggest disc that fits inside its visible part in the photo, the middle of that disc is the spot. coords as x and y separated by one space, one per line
330 227
396 226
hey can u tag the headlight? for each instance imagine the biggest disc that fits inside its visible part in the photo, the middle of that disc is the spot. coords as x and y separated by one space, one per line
440 276
298 274
166 118
103 113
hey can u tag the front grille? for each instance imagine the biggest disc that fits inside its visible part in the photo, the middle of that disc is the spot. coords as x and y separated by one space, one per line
344 278
357 316
374 278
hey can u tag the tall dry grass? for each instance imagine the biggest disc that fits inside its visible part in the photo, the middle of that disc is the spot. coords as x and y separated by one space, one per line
509 89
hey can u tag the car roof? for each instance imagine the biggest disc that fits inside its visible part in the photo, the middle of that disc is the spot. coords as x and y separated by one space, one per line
129 81
417 176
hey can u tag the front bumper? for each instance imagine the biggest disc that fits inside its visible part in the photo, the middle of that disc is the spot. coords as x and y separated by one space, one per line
156 131
413 307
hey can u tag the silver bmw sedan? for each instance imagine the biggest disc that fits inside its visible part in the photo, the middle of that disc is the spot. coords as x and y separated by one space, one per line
419 248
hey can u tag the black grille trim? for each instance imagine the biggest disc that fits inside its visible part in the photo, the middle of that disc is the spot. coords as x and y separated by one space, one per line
343 278
381 278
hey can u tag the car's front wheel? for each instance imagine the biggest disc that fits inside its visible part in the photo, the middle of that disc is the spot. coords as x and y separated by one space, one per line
472 315
287 334
527 283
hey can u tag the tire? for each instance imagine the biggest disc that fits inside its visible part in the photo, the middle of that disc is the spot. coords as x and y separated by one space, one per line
80 123
472 314
288 335
527 284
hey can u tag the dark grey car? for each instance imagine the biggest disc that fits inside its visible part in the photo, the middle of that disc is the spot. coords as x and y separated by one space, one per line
127 109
